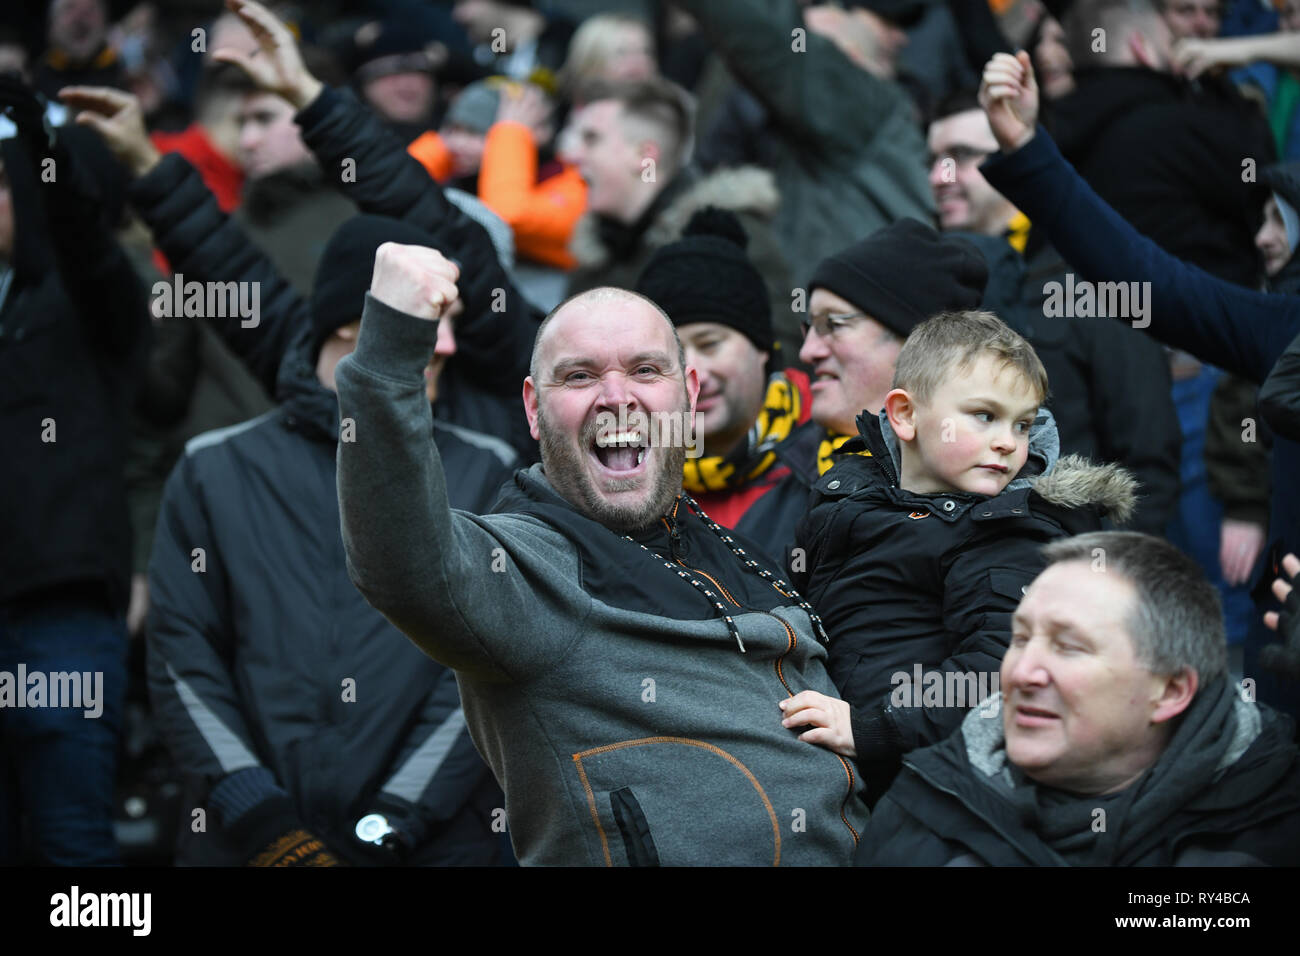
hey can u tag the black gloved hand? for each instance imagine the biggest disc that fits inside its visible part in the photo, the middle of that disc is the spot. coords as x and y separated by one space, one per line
1284 658
276 837
260 820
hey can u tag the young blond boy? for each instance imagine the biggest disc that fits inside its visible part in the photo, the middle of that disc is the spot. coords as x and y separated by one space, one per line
919 546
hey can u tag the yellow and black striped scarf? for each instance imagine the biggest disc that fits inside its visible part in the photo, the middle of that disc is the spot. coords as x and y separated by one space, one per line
782 408
826 450
1018 232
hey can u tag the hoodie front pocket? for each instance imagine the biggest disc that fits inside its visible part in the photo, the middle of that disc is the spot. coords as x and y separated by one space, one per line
677 801
634 828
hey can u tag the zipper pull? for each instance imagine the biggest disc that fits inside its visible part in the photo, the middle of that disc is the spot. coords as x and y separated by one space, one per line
674 533
674 538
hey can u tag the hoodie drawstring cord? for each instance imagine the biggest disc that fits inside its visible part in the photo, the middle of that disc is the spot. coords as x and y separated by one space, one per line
749 564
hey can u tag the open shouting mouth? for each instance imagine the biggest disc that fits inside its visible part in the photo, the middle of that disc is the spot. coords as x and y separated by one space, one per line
621 454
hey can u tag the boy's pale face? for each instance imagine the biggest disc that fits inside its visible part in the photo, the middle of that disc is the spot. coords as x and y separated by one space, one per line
972 435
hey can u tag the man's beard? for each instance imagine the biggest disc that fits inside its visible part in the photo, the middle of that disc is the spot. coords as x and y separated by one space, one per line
567 472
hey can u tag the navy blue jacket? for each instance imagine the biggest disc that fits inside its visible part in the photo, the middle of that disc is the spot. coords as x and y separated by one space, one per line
1227 325
1235 328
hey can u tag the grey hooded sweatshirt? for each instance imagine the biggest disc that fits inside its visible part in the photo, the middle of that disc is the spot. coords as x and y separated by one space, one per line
625 720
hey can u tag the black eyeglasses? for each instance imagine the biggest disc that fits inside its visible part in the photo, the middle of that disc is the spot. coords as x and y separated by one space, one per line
831 325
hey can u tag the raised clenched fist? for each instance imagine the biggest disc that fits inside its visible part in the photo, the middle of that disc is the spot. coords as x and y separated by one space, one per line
1009 96
416 280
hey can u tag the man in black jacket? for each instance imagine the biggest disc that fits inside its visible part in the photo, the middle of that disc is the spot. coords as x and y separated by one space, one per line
272 795
1121 740
363 755
1165 153
74 334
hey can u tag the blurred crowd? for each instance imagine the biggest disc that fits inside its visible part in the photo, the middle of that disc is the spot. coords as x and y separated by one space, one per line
187 234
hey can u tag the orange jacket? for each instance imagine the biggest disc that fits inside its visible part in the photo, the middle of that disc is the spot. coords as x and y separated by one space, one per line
433 155
542 214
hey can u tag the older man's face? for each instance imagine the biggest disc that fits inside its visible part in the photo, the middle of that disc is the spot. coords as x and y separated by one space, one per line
852 358
1078 705
598 356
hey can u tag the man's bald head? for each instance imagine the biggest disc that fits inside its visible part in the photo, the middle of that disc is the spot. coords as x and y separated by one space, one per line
591 300
608 373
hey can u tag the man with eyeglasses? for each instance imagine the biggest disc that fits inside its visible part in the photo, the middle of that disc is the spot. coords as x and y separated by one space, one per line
1100 370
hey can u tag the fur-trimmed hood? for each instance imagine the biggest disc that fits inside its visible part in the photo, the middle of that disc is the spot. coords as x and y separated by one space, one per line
1076 482
744 189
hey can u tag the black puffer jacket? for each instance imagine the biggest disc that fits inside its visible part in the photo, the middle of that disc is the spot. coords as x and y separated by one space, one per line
905 581
1225 792
250 651
74 339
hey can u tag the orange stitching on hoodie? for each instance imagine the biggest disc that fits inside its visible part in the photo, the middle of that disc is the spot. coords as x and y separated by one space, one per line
690 742
847 798
780 674
595 814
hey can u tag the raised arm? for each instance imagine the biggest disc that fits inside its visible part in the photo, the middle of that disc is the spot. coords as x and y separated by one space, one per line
1217 321
428 569
542 215
371 166
201 242
799 75
109 298
1195 56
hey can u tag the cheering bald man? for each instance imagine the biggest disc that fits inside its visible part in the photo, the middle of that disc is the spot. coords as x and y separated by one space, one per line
620 655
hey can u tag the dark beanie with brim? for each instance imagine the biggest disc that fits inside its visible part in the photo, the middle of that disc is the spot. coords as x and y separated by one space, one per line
705 276
905 273
345 269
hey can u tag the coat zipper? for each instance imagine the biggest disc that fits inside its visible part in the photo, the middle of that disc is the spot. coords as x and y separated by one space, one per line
674 541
